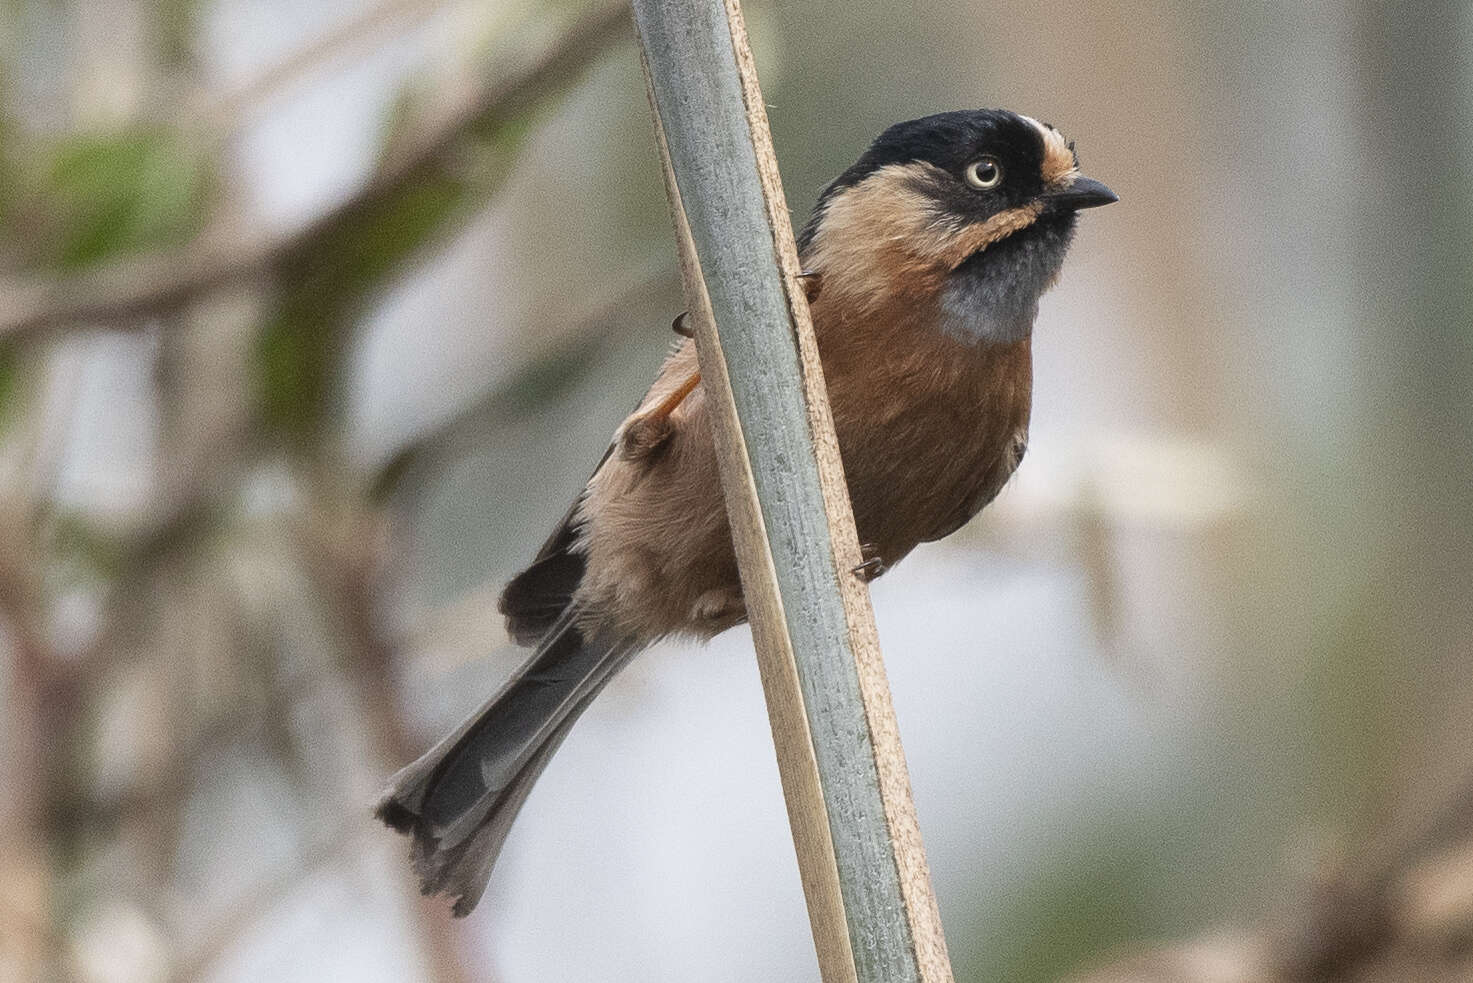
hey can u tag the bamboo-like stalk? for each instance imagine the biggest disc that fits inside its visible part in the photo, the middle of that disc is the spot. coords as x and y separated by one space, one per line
860 856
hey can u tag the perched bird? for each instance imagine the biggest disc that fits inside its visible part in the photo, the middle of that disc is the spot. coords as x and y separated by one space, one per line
926 261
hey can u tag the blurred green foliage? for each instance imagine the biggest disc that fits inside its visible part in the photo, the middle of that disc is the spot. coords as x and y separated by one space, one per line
329 280
326 287
1089 898
83 543
9 383
1359 705
10 188
99 195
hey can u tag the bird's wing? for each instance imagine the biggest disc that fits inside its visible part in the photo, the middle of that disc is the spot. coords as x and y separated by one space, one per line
535 598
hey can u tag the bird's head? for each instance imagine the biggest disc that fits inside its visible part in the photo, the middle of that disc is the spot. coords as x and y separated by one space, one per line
970 211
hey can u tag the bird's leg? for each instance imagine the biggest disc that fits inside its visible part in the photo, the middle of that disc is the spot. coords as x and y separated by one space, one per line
872 566
812 283
645 432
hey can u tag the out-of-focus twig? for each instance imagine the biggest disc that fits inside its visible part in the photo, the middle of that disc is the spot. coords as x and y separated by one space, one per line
344 551
262 899
127 290
220 113
37 707
29 945
1395 913
605 327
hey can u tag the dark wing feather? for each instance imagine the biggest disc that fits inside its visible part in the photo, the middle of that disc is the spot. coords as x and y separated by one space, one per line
535 598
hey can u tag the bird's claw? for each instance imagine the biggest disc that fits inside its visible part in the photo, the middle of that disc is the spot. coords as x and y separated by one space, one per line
812 282
872 566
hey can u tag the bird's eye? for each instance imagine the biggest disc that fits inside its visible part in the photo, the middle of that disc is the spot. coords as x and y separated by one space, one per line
984 173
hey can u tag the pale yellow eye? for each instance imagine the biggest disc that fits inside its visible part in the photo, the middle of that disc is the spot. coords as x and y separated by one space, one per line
984 173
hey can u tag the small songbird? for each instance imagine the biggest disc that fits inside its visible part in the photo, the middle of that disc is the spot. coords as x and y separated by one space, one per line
925 263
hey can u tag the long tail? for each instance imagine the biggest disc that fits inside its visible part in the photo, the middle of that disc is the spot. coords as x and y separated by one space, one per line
458 800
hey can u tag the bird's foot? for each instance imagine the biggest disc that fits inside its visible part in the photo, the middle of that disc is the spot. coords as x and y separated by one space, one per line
812 282
872 566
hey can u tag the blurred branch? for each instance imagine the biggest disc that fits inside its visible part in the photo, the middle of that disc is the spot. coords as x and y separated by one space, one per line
219 111
1396 913
345 551
640 306
37 711
29 738
264 898
192 501
130 290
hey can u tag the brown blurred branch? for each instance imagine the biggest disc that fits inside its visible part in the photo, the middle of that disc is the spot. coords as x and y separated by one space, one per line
1395 913
345 551
136 288
29 940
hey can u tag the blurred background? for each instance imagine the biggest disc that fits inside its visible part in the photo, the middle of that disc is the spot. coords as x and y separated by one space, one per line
315 315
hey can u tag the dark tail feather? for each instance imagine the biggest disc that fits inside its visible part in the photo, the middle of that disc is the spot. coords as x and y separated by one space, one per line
458 800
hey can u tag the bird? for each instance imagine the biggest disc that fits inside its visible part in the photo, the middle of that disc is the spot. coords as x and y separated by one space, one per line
923 265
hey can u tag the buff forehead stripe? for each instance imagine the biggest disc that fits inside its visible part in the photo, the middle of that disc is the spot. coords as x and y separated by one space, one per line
1058 159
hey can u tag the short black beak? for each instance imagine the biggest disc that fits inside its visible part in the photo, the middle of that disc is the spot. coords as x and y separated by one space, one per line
1083 193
